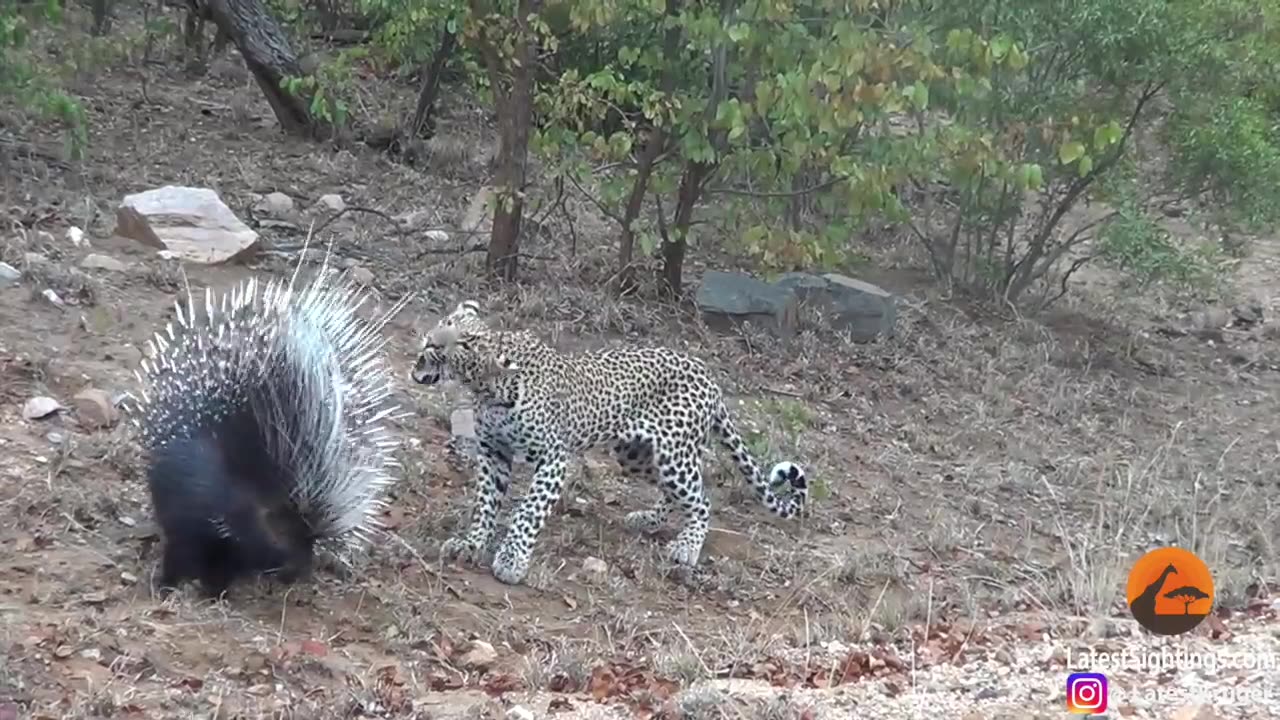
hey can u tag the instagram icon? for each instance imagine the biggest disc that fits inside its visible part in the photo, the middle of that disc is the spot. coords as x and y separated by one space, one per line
1086 693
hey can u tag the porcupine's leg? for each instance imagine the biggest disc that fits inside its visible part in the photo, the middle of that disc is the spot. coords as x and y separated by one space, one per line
176 565
492 478
511 562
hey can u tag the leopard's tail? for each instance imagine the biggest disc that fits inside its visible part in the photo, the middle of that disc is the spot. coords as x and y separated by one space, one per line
784 473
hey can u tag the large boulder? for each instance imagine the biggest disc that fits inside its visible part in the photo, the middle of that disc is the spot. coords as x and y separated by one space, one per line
192 223
729 299
864 310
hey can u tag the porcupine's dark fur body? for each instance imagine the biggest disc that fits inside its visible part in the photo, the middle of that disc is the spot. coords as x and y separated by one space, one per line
264 419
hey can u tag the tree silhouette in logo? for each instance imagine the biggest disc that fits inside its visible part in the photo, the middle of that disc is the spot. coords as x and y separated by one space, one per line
1168 611
1187 594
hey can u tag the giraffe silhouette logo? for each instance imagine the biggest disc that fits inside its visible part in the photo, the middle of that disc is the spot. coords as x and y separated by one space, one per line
1170 591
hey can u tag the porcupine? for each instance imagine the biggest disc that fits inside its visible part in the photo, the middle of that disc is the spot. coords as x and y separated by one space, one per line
266 422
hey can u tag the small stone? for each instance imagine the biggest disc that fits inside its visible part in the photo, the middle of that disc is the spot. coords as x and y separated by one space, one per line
332 202
462 423
94 408
38 408
95 261
1248 314
9 275
63 652
362 275
128 578
520 712
596 567
413 220
52 297
76 236
438 236
275 204
478 655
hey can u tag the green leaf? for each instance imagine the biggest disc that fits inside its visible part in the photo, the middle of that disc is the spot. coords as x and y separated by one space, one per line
739 32
1000 46
1032 176
920 96
647 241
1086 164
1017 58
1107 135
1070 152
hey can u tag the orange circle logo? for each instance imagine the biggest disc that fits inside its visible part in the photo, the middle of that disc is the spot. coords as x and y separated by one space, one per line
1170 591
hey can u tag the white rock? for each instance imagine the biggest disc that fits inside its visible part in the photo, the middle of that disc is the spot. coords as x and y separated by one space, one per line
192 223
595 566
439 236
362 275
52 297
76 236
9 275
332 202
520 712
462 423
478 655
275 204
95 261
40 407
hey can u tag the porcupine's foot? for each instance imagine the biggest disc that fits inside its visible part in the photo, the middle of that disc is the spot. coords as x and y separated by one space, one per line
511 563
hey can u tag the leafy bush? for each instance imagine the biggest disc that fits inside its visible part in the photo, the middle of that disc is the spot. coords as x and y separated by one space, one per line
29 83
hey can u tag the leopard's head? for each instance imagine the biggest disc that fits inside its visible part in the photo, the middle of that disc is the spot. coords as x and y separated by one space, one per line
461 346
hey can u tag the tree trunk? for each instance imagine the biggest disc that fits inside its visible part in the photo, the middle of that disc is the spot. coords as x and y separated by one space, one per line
267 54
626 242
673 247
652 150
431 83
515 115
101 17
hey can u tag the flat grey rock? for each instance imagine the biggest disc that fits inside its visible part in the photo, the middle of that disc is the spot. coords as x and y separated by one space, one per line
726 299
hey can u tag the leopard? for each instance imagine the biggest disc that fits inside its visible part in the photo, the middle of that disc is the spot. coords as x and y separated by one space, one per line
656 408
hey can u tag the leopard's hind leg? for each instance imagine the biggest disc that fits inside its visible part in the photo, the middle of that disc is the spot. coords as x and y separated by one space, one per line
635 456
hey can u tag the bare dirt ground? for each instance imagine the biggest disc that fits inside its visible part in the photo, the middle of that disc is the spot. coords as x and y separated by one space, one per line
984 484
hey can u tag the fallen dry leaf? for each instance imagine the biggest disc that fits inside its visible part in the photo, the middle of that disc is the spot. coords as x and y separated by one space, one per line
501 683
315 647
439 682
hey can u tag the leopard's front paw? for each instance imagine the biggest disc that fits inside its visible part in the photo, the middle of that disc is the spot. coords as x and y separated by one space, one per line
463 548
511 564
643 521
